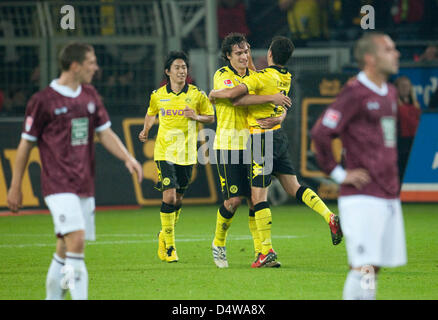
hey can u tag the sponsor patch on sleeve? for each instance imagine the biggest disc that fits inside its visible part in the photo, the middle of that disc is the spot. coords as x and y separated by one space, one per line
228 83
28 123
331 118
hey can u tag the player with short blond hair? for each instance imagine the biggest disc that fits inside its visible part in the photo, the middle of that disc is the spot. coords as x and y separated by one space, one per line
364 116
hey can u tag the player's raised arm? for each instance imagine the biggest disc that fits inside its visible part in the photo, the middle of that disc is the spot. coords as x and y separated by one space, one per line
114 145
14 193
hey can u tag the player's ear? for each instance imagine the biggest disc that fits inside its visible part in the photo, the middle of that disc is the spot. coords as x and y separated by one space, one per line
74 66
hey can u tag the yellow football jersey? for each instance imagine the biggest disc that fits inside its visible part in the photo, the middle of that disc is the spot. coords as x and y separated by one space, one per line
232 126
268 81
177 135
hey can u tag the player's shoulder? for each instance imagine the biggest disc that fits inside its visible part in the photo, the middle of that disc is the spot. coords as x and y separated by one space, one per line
352 87
42 96
161 90
392 89
89 88
193 89
222 71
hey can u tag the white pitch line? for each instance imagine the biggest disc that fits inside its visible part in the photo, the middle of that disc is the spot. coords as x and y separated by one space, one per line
98 242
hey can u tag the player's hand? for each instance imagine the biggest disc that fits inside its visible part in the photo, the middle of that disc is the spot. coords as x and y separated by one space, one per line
190 113
211 96
15 198
143 136
280 99
268 123
357 177
134 166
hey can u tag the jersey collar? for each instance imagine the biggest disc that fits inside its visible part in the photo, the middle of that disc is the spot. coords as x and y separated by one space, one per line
362 78
184 89
64 90
235 71
282 70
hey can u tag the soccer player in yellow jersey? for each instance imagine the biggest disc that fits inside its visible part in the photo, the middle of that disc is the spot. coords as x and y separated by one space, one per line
269 147
231 140
180 107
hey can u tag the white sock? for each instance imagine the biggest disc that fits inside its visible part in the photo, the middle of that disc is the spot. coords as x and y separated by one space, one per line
76 276
360 286
54 291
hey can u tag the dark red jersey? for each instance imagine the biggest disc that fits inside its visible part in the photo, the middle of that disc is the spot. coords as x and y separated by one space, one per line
364 117
63 123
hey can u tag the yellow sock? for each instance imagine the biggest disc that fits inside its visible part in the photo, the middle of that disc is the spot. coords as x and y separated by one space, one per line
168 228
311 199
223 222
255 235
177 212
263 219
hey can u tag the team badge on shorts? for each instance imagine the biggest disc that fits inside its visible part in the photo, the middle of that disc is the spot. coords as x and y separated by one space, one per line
166 181
233 189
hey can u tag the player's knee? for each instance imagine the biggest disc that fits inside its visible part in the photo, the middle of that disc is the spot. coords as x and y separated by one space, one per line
232 204
170 198
75 241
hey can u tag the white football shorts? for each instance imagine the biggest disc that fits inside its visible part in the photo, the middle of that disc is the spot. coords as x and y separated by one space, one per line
72 213
374 231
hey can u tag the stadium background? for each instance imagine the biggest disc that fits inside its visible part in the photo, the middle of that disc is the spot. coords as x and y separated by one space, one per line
131 39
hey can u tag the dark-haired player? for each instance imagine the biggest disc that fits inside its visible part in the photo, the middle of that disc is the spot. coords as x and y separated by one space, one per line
231 140
180 107
364 117
270 148
62 120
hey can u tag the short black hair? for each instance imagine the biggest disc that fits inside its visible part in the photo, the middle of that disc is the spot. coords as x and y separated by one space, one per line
73 52
229 41
171 57
282 49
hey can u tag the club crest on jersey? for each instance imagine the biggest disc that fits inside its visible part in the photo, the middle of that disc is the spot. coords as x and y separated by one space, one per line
331 118
228 83
372 105
28 123
91 107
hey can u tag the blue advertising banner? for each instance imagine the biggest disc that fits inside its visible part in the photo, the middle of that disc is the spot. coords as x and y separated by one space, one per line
420 182
424 81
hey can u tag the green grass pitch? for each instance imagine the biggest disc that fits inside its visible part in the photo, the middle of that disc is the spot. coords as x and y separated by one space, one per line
123 262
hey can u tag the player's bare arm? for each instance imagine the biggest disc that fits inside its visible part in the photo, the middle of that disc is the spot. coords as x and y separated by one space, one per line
268 123
191 114
148 123
228 93
114 145
14 194
278 99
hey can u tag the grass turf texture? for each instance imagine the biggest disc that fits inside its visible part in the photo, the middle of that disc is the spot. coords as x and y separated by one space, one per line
123 262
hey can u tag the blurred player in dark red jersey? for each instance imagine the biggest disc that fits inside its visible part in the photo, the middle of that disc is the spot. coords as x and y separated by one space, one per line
364 116
62 120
